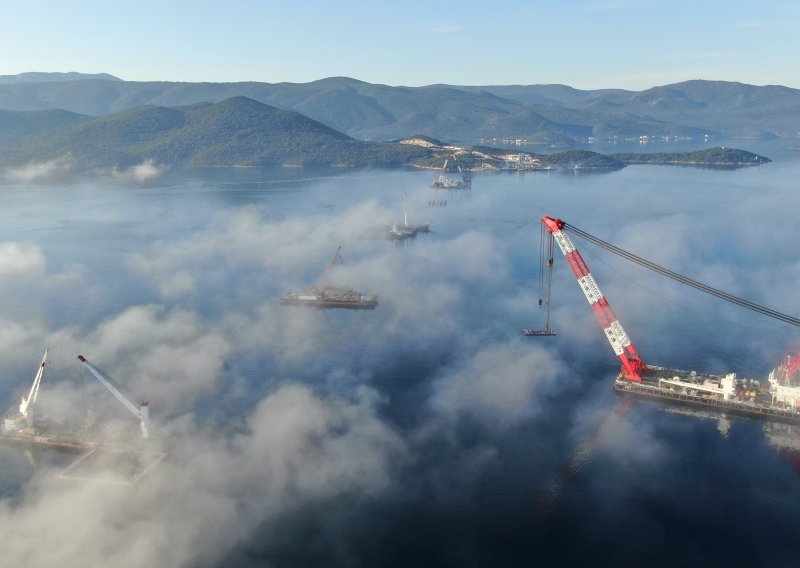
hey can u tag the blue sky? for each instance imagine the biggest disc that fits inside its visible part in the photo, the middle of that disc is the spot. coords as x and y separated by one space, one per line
633 44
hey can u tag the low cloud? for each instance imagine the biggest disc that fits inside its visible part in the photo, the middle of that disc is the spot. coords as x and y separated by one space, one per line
447 29
147 171
213 492
39 171
294 429
21 260
498 386
611 6
170 357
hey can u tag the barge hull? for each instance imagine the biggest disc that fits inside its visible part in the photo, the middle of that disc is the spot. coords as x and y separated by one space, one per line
353 305
39 440
654 393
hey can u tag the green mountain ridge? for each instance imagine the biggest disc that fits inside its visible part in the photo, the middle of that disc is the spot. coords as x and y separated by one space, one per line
555 114
241 131
709 156
235 132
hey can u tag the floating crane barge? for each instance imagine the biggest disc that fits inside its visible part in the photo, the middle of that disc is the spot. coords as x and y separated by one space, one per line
117 461
778 401
745 397
442 181
320 297
324 296
23 428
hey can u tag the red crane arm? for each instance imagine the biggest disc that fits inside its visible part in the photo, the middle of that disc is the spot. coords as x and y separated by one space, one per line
632 365
334 260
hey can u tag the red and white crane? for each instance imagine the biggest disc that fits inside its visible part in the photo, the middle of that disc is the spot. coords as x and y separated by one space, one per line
326 279
632 365
142 411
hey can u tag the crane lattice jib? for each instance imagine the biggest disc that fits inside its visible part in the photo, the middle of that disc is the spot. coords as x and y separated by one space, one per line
28 402
632 365
142 412
334 260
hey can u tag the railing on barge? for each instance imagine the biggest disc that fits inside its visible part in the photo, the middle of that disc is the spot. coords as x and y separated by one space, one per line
741 408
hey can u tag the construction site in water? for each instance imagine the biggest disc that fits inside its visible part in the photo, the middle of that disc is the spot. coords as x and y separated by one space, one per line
324 295
119 458
777 398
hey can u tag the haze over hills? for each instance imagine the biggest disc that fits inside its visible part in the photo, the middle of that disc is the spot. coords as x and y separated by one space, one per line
35 77
551 114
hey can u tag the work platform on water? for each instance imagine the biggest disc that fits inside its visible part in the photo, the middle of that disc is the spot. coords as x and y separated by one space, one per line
776 399
118 457
326 296
749 398
398 231
112 466
538 332
443 181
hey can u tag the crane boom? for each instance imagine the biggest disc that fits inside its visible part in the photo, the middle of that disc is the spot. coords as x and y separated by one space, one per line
28 402
332 265
142 412
632 365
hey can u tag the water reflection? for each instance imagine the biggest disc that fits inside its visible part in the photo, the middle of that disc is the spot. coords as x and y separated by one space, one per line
428 425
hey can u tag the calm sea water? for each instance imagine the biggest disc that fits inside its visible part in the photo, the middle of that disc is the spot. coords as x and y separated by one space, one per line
580 478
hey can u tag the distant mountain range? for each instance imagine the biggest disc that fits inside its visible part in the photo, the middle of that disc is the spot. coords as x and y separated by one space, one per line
552 114
102 121
54 77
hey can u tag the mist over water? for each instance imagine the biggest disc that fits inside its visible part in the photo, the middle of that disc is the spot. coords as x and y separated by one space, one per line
428 431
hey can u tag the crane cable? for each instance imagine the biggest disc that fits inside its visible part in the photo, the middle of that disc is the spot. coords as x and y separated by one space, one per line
541 260
683 279
545 263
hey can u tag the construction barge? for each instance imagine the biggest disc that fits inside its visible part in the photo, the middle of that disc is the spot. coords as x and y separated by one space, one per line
116 459
442 181
24 427
777 399
397 231
325 296
61 440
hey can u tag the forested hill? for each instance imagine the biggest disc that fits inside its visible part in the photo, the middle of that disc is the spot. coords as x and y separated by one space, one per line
721 156
235 132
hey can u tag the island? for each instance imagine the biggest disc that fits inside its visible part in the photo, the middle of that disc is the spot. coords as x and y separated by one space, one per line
714 157
484 158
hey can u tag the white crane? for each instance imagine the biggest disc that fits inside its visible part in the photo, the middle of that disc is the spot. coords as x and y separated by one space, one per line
142 412
28 402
